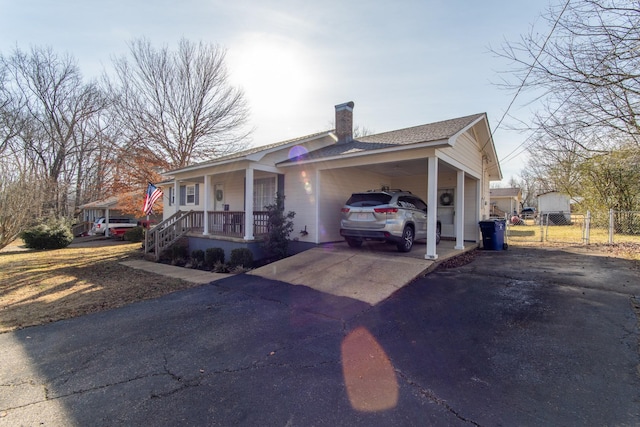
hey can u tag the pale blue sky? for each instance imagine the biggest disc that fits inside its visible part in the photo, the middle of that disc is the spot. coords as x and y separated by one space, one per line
403 63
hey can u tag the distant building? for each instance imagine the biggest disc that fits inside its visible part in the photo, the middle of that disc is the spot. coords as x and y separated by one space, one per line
505 201
556 204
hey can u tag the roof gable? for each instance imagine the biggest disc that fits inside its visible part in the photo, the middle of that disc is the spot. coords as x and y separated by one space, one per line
438 132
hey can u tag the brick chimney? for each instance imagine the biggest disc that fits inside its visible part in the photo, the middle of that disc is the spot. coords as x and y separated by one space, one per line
344 122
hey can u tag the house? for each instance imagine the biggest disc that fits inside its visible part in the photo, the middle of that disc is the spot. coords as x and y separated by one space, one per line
109 207
505 201
220 203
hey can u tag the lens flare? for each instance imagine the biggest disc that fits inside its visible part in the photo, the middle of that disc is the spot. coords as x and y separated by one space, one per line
295 153
369 376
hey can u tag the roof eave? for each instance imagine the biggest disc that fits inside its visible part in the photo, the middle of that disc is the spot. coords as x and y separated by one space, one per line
429 144
251 157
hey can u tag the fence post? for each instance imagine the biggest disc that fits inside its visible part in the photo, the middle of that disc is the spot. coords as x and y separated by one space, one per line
587 228
541 216
611 226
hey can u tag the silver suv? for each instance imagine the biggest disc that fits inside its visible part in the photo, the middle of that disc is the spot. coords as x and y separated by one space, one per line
385 215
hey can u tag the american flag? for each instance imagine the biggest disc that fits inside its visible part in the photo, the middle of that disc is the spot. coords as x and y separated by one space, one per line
153 194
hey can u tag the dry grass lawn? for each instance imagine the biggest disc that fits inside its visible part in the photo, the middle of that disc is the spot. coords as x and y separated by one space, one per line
38 287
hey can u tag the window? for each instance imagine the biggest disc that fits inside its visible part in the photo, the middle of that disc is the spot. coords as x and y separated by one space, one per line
191 194
264 192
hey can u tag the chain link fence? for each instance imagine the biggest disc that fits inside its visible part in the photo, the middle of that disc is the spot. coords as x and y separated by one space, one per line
614 227
561 227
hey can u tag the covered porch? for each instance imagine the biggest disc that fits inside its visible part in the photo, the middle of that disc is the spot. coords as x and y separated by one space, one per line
221 225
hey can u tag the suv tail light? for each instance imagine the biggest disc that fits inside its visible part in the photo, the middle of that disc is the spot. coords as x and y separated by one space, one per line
344 210
386 210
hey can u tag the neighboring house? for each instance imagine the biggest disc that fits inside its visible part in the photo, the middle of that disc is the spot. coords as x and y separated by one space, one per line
90 212
220 203
505 201
107 208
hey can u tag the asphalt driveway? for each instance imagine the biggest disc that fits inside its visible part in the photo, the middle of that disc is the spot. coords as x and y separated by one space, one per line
517 337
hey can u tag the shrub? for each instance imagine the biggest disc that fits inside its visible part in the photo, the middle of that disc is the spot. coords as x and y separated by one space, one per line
179 254
53 234
213 256
197 258
276 243
220 267
135 235
241 257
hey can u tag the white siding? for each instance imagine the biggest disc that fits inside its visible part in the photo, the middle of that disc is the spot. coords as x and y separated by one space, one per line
554 202
467 152
300 188
471 217
506 204
233 189
336 186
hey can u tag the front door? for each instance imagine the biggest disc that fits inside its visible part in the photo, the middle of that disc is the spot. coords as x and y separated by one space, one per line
218 197
218 206
446 211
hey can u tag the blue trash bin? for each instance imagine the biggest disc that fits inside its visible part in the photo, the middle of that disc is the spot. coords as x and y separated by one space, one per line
493 234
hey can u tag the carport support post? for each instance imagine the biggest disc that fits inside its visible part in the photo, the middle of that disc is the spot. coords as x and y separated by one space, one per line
432 209
459 212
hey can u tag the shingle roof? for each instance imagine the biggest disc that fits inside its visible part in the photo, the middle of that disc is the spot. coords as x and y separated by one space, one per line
248 152
418 134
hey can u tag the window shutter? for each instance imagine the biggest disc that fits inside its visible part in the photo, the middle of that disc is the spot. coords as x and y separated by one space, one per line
170 195
183 195
280 185
197 194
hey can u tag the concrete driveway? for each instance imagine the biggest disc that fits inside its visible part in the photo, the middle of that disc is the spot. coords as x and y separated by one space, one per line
370 273
517 337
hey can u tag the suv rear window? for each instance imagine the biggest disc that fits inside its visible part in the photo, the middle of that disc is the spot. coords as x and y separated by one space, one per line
368 199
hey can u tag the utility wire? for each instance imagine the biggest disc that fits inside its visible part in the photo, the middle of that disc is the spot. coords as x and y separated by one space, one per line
527 76
604 58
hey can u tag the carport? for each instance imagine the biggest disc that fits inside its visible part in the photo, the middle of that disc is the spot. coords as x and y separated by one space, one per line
449 164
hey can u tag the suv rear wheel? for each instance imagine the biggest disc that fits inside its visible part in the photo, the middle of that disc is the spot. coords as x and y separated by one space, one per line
407 240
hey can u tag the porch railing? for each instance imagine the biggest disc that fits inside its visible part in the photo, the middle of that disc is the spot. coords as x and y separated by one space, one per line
221 223
231 223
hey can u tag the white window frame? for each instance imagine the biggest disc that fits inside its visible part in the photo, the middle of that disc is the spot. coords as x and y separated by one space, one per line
262 196
190 192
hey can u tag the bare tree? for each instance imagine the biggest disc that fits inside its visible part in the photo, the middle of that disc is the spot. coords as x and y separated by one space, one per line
53 102
587 70
178 104
10 118
19 197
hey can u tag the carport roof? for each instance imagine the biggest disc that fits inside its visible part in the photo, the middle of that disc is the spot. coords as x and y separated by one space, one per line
432 132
